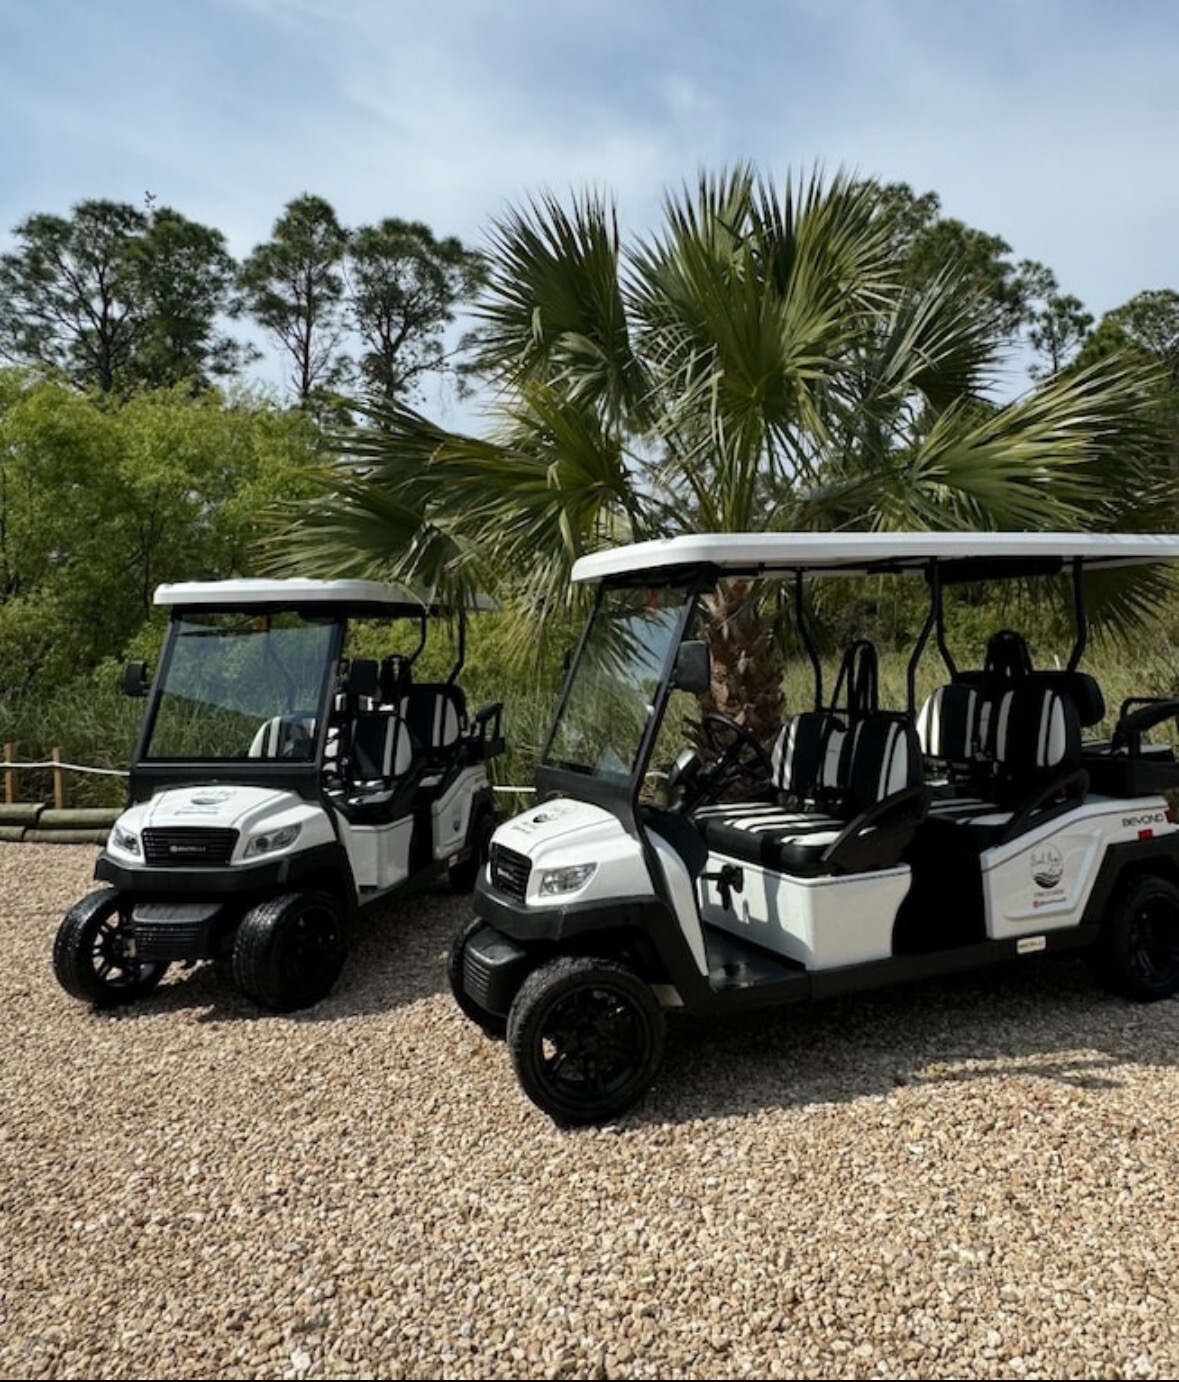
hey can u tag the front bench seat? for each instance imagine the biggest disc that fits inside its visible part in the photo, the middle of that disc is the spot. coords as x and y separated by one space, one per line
881 802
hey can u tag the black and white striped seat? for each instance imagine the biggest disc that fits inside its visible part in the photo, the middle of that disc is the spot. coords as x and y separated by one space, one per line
381 747
948 728
805 758
436 713
1036 748
879 765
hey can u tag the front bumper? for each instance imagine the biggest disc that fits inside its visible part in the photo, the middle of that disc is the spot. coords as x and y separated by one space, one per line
219 880
182 931
559 923
493 969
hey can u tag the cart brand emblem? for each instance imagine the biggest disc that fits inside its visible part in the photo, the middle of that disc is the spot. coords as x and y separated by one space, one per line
1028 945
1047 866
1147 818
186 849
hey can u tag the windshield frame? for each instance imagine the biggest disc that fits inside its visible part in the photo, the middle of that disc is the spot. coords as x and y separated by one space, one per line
302 776
618 792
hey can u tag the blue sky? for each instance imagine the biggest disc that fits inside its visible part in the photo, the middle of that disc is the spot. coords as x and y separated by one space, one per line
1050 123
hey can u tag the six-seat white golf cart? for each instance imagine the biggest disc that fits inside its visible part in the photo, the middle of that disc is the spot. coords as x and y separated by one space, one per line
870 846
281 782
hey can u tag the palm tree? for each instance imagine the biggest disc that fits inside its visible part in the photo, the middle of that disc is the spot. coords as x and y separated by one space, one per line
761 363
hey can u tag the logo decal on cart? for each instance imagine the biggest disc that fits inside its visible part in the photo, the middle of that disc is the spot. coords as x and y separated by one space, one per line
1147 818
1047 866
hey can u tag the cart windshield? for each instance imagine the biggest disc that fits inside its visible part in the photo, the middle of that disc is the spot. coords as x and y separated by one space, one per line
615 682
239 685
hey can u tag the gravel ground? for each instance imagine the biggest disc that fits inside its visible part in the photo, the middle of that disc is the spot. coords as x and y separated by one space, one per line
974 1179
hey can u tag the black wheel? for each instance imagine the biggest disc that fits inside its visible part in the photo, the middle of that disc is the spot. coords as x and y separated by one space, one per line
1137 951
94 953
289 951
585 1037
464 875
491 1024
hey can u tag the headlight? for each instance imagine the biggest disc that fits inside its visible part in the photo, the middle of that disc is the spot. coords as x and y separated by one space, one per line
126 840
566 880
272 840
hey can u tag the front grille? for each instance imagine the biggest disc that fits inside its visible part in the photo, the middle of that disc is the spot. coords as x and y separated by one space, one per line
186 846
510 871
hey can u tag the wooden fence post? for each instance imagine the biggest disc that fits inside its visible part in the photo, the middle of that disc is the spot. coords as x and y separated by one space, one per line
9 774
58 780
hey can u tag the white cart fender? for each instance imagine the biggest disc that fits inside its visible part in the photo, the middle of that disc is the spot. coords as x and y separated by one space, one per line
565 834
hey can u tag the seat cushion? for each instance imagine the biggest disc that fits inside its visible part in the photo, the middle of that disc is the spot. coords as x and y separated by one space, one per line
787 841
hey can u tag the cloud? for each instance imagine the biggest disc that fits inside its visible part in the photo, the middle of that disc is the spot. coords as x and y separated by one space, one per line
1047 123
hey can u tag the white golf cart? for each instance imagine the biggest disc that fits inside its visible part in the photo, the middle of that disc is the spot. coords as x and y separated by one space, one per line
871 846
279 783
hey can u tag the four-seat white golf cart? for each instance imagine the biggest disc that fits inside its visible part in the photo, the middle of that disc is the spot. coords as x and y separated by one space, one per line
281 782
872 846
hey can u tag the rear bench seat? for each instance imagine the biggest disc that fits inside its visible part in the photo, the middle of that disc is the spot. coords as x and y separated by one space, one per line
1026 767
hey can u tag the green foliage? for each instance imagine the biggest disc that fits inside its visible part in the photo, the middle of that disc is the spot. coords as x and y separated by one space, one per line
99 505
404 285
811 356
114 299
293 285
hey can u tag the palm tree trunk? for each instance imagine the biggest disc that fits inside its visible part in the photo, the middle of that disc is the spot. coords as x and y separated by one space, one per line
747 660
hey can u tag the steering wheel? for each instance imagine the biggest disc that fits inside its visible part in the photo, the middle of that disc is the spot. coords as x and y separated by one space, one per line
739 756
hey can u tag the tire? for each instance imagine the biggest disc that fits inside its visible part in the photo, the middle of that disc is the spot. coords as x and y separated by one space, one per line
491 1024
93 955
289 950
465 875
586 1038
1137 950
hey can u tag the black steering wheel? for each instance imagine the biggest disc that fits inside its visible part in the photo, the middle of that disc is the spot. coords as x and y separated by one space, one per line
739 756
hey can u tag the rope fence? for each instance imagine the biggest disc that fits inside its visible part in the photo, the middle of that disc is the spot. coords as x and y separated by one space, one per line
54 821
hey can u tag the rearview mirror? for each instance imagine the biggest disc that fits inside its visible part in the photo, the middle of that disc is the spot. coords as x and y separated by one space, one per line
693 668
135 679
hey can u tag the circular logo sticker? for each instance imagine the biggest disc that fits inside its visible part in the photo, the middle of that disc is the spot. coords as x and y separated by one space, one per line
1047 866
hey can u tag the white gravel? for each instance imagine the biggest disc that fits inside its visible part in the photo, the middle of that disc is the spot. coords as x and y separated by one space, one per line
972 1179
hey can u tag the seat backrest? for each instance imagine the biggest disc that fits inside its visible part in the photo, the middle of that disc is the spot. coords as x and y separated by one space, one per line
436 713
809 747
1007 657
881 756
948 727
284 736
806 755
1037 733
1081 688
1007 662
382 748
394 678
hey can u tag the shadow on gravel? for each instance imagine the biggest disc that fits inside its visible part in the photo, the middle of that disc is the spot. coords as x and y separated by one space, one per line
396 956
1043 1019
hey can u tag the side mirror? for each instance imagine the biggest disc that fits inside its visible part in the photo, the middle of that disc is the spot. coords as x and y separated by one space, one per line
135 679
693 668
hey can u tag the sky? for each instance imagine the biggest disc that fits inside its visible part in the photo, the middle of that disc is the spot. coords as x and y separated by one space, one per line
1049 123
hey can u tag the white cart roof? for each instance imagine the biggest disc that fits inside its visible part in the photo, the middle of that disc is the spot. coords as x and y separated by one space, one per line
289 593
768 554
